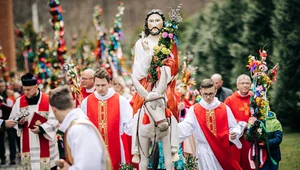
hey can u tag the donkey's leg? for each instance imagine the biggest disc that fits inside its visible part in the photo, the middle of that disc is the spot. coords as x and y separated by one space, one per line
174 135
144 151
174 139
167 152
134 142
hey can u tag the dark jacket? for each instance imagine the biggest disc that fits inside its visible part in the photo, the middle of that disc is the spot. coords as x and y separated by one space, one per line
274 130
223 93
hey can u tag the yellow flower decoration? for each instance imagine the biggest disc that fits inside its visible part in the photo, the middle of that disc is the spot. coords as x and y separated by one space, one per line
164 50
168 52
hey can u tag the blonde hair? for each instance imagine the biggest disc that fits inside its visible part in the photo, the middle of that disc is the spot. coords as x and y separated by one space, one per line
121 81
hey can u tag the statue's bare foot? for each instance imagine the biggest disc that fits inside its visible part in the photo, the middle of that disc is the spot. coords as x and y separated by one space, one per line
175 157
136 159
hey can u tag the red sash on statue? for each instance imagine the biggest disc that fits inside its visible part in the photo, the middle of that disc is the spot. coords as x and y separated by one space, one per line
43 106
105 115
217 135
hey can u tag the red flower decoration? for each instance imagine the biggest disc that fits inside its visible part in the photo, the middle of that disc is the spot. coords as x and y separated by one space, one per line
263 53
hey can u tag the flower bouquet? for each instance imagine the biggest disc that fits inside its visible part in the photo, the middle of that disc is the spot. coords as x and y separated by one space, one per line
74 82
186 80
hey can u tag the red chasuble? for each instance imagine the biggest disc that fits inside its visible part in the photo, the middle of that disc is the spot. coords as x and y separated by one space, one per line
214 124
105 115
240 107
43 110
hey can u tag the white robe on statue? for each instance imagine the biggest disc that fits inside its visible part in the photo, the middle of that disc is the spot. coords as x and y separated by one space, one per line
142 61
50 127
125 115
85 145
204 153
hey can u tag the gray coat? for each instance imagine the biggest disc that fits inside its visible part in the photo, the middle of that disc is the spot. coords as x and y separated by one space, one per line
223 93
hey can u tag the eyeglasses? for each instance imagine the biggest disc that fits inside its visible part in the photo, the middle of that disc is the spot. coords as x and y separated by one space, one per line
245 83
208 94
85 79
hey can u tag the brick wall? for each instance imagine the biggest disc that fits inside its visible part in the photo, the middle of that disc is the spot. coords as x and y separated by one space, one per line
7 40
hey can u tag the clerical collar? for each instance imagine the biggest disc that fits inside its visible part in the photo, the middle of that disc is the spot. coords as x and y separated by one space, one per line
109 94
91 90
241 94
34 100
209 106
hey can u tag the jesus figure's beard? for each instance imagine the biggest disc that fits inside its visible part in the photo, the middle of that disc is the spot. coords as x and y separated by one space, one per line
155 33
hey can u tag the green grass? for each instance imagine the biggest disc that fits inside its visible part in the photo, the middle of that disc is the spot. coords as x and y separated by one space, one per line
290 151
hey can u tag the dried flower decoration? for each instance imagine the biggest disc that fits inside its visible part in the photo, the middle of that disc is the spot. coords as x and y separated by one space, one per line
174 14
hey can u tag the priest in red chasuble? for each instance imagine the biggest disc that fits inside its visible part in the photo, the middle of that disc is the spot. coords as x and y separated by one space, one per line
111 114
239 104
87 82
86 85
214 127
38 143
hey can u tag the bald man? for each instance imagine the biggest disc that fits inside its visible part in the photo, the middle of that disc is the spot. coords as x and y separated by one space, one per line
222 92
87 82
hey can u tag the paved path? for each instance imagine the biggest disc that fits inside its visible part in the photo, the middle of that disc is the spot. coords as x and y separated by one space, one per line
11 167
7 166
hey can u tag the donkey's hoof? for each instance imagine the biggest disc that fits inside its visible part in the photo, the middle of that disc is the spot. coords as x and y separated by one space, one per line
175 157
136 159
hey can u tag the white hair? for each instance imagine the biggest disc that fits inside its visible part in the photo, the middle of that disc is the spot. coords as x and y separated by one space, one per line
89 71
242 77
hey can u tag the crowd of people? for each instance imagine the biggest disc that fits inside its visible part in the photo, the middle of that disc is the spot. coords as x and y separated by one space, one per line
101 131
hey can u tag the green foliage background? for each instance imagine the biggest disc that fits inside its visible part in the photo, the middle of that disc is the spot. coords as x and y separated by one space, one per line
225 33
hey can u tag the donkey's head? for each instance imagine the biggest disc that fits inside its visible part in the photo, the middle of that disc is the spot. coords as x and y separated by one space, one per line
155 103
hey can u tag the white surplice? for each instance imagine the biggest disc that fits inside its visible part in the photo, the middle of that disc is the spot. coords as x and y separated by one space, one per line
50 128
204 153
125 115
86 148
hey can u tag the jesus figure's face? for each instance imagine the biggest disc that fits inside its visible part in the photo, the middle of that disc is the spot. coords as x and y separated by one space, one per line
155 24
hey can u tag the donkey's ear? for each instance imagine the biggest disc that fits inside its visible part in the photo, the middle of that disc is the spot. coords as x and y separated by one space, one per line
139 88
163 81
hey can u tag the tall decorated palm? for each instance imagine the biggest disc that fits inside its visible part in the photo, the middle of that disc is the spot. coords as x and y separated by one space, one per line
262 79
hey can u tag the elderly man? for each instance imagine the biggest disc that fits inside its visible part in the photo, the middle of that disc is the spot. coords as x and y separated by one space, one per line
239 103
222 92
37 127
87 82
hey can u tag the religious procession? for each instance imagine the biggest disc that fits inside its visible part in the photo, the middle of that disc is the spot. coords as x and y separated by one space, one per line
210 91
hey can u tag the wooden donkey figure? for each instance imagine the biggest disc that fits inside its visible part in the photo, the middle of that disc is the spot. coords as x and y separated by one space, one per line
159 125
